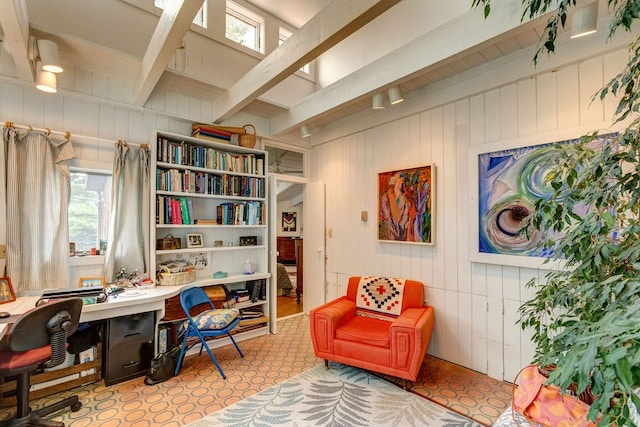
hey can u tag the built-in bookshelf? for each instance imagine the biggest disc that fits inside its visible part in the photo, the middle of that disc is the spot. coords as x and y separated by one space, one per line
212 197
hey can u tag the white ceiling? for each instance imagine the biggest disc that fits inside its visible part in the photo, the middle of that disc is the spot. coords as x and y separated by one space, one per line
117 38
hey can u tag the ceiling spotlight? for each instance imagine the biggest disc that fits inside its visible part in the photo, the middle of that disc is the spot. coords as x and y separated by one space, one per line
304 131
585 20
395 96
48 56
46 81
378 101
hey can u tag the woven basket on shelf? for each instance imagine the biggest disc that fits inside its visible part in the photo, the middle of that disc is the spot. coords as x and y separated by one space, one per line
247 139
176 279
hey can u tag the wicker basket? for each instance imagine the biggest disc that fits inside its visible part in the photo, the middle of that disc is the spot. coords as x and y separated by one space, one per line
247 140
176 279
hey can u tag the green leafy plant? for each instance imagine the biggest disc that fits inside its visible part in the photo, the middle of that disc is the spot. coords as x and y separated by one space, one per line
585 317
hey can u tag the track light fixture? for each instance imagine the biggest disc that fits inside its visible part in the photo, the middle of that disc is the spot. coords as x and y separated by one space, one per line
395 95
585 20
44 55
304 131
378 101
46 81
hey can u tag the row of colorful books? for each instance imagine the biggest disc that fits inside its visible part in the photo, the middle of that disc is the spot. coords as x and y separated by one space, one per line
170 210
186 181
181 153
245 213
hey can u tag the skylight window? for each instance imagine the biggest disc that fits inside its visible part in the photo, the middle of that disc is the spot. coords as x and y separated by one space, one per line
244 27
200 18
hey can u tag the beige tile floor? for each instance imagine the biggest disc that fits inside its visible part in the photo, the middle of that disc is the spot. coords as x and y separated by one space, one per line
199 390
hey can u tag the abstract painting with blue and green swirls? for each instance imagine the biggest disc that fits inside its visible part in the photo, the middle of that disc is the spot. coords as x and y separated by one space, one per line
510 183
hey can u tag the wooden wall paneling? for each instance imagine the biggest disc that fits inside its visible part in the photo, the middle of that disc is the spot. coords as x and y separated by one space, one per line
591 79
72 116
495 339
107 123
349 225
526 107
100 85
194 107
370 245
362 186
447 173
90 118
478 278
479 333
464 334
437 152
33 104
492 112
54 112
476 123
568 97
12 101
462 139
438 301
512 361
183 106
511 282
527 348
508 112
121 123
170 101
546 102
451 337
117 90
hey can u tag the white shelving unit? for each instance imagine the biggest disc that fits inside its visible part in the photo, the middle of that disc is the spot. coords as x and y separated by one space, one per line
206 178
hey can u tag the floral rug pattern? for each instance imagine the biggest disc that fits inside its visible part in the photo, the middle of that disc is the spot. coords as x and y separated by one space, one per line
339 396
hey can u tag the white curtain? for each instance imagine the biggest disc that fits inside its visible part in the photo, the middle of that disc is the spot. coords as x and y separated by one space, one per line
128 241
37 198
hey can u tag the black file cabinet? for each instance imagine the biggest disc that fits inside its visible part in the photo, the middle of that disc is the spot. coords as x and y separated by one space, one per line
128 347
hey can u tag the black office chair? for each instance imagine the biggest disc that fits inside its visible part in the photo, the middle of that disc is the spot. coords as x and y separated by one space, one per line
38 338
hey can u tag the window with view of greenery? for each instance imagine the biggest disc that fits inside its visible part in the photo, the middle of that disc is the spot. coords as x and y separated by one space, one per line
200 19
244 27
89 209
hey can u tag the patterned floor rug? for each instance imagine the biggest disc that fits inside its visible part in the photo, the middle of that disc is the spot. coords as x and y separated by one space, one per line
340 396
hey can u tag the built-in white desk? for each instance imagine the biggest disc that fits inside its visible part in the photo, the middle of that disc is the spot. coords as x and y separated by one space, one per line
129 302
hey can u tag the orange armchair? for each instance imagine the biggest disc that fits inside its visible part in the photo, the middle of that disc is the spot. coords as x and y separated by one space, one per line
381 325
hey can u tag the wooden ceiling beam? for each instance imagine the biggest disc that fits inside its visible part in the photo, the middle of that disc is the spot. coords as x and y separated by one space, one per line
338 20
14 21
174 23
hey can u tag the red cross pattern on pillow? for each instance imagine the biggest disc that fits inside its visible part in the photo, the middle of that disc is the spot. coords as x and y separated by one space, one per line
380 294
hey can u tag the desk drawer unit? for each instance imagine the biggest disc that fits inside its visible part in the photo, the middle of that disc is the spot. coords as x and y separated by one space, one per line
128 347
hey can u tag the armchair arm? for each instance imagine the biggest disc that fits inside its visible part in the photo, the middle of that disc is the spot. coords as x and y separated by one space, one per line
410 336
326 319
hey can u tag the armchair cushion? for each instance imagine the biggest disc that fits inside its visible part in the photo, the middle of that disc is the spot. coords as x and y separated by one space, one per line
366 331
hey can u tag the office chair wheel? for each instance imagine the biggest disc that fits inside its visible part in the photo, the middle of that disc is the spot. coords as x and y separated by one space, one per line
76 407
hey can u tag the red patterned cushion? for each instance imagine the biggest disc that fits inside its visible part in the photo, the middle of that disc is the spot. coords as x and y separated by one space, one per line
380 296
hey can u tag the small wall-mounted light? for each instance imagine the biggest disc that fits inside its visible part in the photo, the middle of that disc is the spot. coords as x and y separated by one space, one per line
585 20
304 131
46 81
378 101
48 56
395 95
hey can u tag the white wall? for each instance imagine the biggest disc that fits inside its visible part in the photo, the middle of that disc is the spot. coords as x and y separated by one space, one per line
476 304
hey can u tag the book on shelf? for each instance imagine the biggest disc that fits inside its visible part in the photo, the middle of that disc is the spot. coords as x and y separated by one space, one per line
206 221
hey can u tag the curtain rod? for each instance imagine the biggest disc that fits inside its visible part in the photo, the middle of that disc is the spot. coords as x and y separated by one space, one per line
48 131
127 144
67 134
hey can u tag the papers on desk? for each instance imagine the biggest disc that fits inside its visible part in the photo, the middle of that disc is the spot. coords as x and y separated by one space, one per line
128 294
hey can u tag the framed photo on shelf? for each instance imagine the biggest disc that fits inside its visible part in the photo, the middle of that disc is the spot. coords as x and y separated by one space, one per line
195 240
87 282
6 290
406 206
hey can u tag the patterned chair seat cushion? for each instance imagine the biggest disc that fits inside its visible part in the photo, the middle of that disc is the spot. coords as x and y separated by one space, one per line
215 319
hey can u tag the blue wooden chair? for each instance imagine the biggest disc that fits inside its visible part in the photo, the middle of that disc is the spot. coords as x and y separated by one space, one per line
210 323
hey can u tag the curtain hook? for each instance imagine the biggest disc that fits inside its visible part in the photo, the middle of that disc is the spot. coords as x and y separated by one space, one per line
67 135
48 131
30 128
